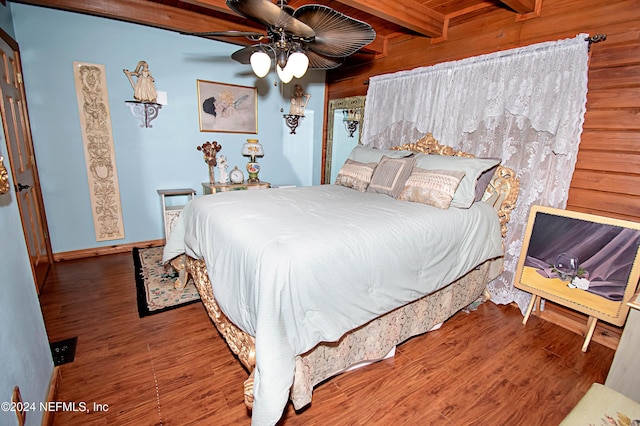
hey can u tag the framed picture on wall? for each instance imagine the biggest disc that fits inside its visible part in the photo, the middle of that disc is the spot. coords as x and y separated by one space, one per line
227 108
585 262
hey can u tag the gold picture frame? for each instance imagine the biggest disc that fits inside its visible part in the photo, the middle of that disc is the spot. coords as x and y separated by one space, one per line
227 108
608 256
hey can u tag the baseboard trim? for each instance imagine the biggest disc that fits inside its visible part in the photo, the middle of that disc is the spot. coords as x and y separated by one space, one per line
605 334
52 395
101 251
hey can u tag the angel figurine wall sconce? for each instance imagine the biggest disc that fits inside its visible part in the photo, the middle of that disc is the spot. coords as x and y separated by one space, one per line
299 102
145 106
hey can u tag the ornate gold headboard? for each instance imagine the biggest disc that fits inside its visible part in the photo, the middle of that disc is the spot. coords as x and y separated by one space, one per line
502 191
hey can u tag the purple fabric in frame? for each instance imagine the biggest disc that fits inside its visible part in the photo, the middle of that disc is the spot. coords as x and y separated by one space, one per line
606 252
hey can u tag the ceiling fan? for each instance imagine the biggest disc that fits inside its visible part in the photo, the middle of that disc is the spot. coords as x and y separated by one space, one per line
311 36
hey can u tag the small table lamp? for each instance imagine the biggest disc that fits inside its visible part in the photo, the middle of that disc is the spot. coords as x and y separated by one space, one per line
252 148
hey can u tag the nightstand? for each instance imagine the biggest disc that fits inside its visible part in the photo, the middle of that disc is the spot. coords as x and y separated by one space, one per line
213 188
173 201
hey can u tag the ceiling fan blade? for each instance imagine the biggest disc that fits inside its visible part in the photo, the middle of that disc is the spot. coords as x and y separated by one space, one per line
244 55
270 14
251 35
337 35
319 62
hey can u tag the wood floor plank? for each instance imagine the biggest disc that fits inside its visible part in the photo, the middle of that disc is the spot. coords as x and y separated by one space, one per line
173 368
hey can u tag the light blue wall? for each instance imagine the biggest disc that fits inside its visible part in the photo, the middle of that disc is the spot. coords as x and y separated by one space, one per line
5 21
148 159
24 348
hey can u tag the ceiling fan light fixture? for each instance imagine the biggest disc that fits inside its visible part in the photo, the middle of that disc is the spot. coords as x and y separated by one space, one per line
285 74
260 63
311 36
299 63
282 56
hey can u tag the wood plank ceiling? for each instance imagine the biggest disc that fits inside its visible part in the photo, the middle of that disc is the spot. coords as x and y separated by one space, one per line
389 18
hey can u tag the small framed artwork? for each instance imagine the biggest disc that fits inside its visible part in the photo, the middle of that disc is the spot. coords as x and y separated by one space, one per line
585 262
227 108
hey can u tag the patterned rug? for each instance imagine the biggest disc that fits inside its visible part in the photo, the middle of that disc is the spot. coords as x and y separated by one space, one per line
155 284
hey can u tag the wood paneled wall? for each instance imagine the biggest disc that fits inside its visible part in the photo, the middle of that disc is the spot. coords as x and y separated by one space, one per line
607 175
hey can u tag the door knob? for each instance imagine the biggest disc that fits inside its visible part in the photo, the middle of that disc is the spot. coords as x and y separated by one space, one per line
22 187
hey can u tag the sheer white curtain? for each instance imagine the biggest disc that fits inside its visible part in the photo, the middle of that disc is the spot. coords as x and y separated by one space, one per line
523 105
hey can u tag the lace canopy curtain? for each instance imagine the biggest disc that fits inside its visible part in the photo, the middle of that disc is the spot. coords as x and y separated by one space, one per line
523 105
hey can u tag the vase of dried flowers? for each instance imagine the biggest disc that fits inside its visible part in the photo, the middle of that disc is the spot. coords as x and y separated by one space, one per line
209 153
212 174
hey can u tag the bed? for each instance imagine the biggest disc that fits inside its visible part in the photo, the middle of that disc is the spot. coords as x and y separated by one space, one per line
348 270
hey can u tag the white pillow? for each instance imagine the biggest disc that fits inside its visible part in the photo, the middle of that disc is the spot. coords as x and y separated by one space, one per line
363 154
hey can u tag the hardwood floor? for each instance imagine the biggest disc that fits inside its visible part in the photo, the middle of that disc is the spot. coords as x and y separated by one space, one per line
173 368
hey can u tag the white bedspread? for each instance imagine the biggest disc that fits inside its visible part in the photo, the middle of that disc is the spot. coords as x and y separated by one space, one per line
297 266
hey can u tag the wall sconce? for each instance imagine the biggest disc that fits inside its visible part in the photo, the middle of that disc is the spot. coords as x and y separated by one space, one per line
252 149
145 106
351 119
144 111
292 121
299 102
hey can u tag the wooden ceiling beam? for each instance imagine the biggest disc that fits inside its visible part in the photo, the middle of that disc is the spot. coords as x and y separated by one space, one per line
377 46
521 6
147 13
217 5
408 14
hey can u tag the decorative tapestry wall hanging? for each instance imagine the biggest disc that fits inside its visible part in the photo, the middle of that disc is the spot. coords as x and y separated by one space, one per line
97 138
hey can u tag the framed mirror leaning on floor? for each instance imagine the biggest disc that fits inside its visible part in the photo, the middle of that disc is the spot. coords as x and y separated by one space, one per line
344 127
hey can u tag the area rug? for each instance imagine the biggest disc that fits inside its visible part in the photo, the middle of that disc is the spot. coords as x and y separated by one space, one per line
155 284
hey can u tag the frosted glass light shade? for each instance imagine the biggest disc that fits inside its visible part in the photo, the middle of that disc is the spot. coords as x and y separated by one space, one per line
252 148
286 74
298 62
260 63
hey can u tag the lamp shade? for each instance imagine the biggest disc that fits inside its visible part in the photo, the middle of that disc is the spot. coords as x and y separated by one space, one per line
286 74
260 63
353 114
252 148
298 62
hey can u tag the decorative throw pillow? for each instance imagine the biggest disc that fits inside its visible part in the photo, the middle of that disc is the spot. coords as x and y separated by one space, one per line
390 175
433 187
365 154
483 181
356 175
473 167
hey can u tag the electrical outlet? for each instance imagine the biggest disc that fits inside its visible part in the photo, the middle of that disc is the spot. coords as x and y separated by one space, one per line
16 399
